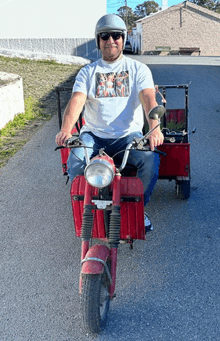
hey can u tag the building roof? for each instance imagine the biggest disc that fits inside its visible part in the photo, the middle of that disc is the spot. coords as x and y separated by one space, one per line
187 5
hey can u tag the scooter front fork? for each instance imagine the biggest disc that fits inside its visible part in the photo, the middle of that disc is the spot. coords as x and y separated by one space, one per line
114 252
114 230
87 224
87 221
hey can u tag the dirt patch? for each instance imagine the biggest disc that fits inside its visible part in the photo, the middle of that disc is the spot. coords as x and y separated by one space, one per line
40 80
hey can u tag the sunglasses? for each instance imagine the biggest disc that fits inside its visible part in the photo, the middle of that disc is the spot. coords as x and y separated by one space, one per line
106 35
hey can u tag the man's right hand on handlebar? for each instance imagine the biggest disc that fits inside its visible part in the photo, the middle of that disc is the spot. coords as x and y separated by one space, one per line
156 138
61 138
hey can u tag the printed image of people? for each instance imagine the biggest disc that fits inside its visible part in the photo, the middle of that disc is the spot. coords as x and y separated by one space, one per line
112 84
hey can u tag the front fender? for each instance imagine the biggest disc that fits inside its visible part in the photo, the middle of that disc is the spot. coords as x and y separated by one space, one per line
94 266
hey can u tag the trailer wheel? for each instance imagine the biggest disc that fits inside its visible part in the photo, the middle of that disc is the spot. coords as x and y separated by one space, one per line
95 302
183 189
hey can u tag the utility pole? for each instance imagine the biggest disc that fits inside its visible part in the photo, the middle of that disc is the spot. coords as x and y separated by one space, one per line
126 14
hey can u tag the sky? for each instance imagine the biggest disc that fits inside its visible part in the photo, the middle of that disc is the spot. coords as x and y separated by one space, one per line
113 5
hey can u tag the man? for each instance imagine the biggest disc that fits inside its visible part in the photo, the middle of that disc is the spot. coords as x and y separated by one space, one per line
113 117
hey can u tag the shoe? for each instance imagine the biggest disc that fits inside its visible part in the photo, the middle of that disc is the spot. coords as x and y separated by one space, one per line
147 223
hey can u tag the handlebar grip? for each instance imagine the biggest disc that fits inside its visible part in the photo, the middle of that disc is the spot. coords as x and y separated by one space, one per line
71 141
159 152
59 147
155 149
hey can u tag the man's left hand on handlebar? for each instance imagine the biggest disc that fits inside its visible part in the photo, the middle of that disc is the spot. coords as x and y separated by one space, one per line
156 138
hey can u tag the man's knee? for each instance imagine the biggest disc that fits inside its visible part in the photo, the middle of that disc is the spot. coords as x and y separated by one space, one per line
75 166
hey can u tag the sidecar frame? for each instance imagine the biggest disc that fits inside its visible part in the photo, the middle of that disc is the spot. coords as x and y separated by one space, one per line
176 164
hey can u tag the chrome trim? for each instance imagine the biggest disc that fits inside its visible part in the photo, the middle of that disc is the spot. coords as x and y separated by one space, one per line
125 157
101 162
100 261
102 204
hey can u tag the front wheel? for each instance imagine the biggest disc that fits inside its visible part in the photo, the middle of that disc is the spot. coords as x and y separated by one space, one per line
95 302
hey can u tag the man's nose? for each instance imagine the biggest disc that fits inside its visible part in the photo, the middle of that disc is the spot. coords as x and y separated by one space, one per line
110 39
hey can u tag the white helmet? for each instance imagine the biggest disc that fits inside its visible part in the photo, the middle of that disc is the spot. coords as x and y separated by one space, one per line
110 23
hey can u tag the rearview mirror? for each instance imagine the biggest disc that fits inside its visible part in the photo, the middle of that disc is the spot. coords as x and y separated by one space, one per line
157 112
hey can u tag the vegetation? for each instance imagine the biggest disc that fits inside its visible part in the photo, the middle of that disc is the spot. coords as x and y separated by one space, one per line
149 7
32 111
146 8
40 79
213 5
141 11
17 132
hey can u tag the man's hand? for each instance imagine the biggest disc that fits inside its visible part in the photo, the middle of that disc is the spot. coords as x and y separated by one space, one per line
156 138
61 137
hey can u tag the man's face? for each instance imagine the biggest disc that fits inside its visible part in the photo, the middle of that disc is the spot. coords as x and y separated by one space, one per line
111 45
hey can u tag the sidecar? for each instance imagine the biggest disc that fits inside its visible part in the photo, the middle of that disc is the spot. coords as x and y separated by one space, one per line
176 164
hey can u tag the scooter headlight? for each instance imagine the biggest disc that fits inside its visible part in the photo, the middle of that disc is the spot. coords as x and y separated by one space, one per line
99 173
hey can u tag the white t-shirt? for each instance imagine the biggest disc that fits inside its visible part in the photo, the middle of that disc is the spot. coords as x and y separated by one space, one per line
113 108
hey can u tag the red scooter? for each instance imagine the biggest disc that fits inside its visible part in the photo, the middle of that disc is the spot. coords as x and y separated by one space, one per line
107 205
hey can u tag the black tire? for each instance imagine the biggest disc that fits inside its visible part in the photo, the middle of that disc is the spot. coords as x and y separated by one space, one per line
183 189
95 302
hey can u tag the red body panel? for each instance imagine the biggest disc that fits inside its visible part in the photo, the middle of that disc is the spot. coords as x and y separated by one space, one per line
64 153
132 217
177 159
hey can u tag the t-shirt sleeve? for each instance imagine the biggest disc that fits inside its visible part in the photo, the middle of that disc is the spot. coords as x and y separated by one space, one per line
145 78
81 81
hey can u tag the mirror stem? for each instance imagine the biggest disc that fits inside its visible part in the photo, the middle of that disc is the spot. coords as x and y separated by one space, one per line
150 131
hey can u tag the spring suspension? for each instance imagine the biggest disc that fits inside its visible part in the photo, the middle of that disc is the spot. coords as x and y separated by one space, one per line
87 223
114 228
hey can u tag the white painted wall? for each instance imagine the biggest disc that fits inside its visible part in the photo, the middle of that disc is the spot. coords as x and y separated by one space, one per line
11 97
50 18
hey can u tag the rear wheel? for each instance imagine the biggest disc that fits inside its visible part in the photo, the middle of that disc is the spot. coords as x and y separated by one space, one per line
95 302
183 189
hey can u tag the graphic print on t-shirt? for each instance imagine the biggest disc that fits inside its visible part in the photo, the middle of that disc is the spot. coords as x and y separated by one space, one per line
112 84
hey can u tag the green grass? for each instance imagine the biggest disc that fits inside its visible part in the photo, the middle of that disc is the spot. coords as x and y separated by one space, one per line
8 153
32 111
40 79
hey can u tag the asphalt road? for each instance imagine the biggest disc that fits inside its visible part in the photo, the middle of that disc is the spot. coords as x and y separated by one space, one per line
167 288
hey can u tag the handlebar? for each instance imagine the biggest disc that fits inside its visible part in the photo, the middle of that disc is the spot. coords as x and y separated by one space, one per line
75 142
140 144
145 146
72 141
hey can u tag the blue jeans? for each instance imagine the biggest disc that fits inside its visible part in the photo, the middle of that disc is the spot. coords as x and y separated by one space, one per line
147 163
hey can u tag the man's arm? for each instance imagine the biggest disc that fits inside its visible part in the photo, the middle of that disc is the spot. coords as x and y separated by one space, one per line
148 100
71 115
